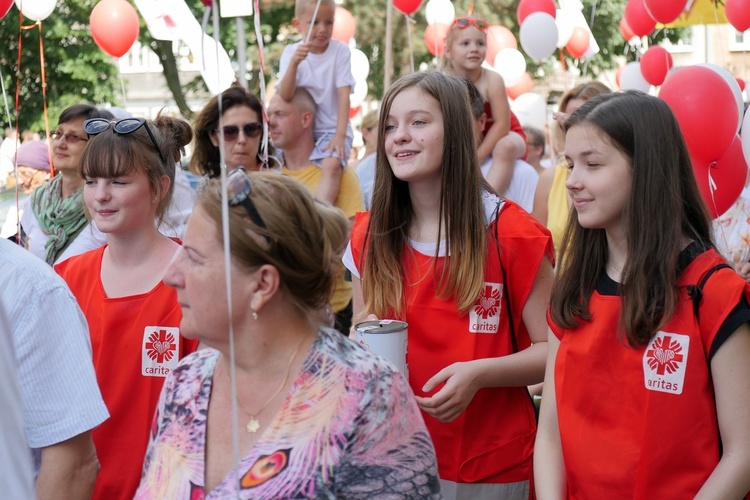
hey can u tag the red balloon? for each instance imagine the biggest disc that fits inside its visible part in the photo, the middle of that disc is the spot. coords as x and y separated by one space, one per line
728 173
526 7
578 43
5 6
354 111
434 37
665 11
705 108
524 85
407 7
498 38
114 26
638 18
738 14
741 83
343 25
627 33
618 75
655 64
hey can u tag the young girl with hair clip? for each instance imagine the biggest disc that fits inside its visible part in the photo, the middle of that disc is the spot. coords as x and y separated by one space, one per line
504 139
128 171
469 272
647 392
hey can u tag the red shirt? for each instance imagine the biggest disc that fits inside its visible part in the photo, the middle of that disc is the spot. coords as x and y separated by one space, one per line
135 342
642 423
492 440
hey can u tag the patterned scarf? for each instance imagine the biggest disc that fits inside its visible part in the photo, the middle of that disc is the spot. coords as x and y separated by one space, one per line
61 219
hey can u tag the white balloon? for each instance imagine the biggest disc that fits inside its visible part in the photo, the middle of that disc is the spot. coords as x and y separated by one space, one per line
511 65
538 35
732 82
359 93
440 11
36 10
632 78
531 110
745 137
566 21
360 65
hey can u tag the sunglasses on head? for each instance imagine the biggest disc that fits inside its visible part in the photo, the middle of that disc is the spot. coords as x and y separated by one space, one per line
125 126
238 192
231 132
465 22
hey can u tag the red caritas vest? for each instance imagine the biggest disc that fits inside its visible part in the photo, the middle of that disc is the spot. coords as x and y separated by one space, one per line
641 423
492 441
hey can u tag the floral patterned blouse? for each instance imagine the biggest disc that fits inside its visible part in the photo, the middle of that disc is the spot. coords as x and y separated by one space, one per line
732 230
349 428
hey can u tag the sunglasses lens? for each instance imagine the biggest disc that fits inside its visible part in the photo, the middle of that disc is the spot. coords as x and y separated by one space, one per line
252 129
481 24
128 125
462 23
95 126
238 187
231 132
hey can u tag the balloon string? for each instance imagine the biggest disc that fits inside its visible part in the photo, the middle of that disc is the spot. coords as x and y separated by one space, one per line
204 28
409 20
262 82
712 187
312 22
44 89
14 133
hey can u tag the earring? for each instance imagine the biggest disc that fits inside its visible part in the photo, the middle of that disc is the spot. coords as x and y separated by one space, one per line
255 316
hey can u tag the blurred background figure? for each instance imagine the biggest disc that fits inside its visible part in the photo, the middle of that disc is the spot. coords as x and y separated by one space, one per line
366 166
536 147
8 150
33 171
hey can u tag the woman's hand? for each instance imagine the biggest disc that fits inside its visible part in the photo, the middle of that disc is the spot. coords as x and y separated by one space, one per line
453 398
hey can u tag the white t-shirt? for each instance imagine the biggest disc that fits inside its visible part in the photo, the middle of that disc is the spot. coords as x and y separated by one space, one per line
322 75
366 175
522 184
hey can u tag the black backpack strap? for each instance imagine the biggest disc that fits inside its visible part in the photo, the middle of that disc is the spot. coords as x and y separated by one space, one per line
695 292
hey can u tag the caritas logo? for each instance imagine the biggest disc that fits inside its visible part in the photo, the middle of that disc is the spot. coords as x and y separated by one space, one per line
159 351
484 317
665 362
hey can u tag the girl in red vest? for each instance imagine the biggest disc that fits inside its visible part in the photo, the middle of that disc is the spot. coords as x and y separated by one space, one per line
469 272
647 393
128 169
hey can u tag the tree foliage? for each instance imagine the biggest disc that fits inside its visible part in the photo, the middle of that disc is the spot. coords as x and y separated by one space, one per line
76 69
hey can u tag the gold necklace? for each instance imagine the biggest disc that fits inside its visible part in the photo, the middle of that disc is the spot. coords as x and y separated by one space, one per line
253 425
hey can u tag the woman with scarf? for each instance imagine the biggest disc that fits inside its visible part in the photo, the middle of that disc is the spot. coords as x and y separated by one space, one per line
55 224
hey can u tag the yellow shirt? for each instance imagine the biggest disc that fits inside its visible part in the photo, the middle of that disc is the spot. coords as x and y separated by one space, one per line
558 206
349 201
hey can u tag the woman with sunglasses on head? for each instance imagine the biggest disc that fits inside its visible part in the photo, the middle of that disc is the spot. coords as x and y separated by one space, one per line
54 221
242 127
504 139
318 416
128 170
470 274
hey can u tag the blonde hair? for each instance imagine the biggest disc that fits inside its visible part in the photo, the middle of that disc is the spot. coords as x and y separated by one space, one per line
370 120
462 221
303 238
299 5
445 61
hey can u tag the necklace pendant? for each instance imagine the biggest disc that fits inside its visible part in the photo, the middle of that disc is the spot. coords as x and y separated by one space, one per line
253 425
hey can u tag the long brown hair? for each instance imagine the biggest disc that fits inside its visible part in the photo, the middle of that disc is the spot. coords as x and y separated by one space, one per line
460 206
664 208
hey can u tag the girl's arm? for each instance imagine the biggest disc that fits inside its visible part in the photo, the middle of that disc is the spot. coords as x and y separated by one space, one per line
498 100
731 377
549 467
463 380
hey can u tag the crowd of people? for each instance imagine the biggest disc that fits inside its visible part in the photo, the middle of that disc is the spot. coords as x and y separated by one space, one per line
188 333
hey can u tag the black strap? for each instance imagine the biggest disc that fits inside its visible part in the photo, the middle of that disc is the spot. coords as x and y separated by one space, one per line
695 292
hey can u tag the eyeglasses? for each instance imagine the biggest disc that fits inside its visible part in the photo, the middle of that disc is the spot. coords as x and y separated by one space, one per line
231 132
238 192
69 138
465 22
125 126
